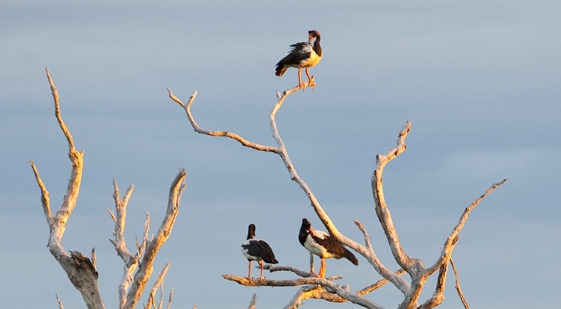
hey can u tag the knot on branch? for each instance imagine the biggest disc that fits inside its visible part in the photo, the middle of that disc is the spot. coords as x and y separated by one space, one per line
82 262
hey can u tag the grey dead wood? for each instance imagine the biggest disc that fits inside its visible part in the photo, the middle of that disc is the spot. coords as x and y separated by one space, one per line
326 289
253 302
80 269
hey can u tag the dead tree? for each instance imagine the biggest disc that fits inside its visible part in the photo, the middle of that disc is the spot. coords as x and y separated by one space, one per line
81 270
327 289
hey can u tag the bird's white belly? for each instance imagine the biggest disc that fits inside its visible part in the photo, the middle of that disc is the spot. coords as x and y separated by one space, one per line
245 252
316 249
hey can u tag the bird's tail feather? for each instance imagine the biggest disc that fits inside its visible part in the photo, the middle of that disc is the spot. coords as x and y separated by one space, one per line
280 70
351 257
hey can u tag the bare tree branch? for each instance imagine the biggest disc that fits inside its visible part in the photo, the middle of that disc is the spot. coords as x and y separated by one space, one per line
378 284
458 288
45 201
145 268
438 296
130 261
295 270
94 259
384 215
60 306
327 283
243 141
252 304
78 267
452 238
157 284
170 298
445 256
312 291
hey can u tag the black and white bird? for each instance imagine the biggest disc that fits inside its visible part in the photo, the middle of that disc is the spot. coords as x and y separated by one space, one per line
257 250
302 55
323 245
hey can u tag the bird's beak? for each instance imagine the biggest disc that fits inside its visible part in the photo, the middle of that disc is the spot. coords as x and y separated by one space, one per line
310 38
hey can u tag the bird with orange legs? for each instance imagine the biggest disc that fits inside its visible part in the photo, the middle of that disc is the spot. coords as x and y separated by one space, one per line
257 250
323 245
303 55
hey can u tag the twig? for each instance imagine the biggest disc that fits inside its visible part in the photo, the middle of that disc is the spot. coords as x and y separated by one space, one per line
458 288
452 238
252 304
130 261
157 284
170 298
60 306
295 270
198 129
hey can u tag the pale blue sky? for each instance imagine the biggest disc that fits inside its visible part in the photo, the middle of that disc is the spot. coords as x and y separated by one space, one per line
479 80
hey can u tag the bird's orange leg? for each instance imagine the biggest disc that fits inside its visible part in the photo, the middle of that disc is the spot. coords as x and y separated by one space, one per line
322 269
312 273
249 271
300 83
310 80
261 274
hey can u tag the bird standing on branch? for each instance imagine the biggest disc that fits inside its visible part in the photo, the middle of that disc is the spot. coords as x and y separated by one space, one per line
302 55
323 245
257 250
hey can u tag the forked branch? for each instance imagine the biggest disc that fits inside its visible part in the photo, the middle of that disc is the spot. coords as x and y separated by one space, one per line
145 266
79 268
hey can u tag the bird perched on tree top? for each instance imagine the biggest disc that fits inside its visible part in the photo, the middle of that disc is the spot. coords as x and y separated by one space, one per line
323 245
302 55
257 250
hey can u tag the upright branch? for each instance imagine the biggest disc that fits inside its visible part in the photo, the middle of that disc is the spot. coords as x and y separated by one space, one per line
381 208
415 267
79 268
145 267
138 267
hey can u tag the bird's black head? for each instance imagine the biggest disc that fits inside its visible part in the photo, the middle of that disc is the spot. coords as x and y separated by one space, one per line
304 230
251 231
313 33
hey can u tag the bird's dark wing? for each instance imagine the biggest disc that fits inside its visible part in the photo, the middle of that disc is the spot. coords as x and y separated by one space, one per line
334 247
260 248
330 244
299 52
